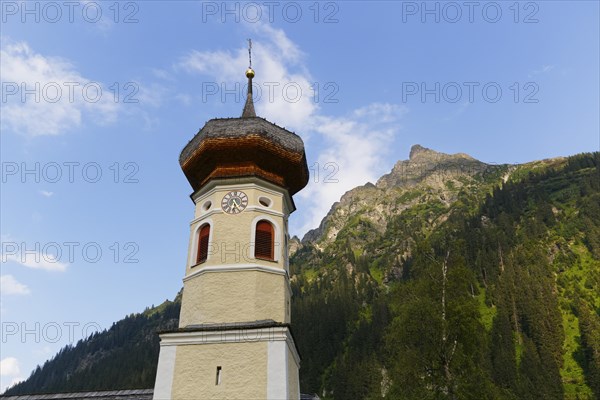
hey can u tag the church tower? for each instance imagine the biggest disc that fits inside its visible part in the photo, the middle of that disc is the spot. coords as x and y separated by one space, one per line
234 339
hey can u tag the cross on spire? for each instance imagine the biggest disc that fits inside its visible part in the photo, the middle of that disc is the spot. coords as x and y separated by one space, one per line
250 53
249 106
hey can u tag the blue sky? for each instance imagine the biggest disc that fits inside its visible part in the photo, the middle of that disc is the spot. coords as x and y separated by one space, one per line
99 98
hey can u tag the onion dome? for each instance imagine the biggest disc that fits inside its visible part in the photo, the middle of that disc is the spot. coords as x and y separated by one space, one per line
245 146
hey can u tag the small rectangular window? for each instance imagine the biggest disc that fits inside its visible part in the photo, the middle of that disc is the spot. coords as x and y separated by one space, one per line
203 236
263 246
218 378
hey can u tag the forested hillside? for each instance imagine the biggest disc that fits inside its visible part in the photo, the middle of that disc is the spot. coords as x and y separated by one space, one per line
494 294
122 357
447 279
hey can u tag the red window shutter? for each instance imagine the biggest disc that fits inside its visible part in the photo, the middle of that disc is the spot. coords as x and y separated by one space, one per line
203 244
263 244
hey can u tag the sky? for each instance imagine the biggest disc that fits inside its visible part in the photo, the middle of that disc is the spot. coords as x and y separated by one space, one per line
99 98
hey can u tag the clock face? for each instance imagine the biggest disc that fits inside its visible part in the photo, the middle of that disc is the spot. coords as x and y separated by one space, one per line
234 202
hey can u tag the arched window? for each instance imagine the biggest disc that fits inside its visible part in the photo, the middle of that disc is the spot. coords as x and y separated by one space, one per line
203 234
264 241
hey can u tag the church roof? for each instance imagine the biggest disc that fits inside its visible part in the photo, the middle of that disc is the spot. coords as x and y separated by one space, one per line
237 128
245 146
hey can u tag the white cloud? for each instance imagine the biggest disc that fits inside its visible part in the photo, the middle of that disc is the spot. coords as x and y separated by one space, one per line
9 286
354 148
458 111
46 193
544 69
284 87
10 372
33 255
151 94
380 113
43 352
106 22
58 103
9 366
185 99
348 149
222 65
162 74
36 259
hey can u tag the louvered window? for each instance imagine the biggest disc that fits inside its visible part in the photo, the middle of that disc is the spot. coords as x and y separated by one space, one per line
203 235
263 246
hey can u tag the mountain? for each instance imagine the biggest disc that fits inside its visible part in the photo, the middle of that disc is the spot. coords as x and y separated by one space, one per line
122 357
448 278
439 175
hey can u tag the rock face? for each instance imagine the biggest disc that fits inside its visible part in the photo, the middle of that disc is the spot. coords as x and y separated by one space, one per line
426 166
425 176
293 245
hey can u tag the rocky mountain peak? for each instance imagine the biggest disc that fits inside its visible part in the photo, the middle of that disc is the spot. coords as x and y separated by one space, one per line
420 153
426 170
417 150
431 167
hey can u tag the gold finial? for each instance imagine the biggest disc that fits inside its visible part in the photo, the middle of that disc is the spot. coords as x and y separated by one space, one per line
250 71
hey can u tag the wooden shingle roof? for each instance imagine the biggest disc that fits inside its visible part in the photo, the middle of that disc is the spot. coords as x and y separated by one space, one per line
240 127
246 146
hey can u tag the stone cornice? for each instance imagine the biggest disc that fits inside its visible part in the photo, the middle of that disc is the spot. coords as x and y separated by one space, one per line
239 268
231 333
